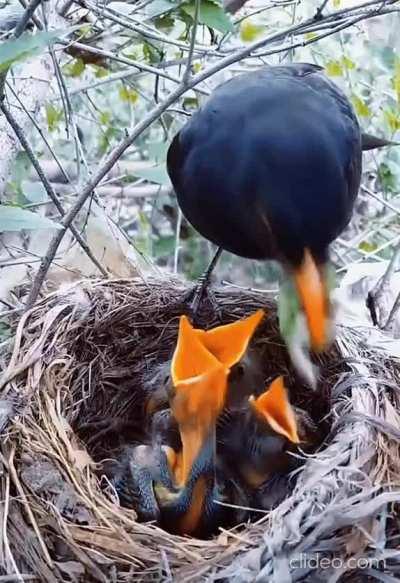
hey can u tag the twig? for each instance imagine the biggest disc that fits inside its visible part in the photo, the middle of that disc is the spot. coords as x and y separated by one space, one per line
37 22
65 7
320 9
27 507
86 192
19 29
188 70
375 296
393 312
41 133
131 62
50 192
5 517
153 34
20 577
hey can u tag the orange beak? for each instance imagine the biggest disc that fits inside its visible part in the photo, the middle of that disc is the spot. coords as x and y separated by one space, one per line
273 406
200 368
200 382
229 343
313 295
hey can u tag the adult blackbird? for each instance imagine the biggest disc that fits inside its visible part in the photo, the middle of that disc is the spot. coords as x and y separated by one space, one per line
270 168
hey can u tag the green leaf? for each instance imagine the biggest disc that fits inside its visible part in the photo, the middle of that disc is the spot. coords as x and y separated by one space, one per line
330 278
100 72
128 95
105 118
165 23
360 106
396 79
250 31
337 3
75 68
348 63
387 178
191 103
288 309
108 135
211 15
367 246
158 7
334 69
24 47
34 191
164 246
13 218
150 53
310 35
157 174
5 331
53 116
392 119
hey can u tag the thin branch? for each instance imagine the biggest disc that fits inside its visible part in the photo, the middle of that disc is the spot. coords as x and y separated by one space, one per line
65 7
188 69
37 22
320 9
19 29
87 191
50 192
393 312
132 24
376 295
130 62
41 133
131 72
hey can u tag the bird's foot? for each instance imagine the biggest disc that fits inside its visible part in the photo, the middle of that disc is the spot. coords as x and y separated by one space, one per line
196 295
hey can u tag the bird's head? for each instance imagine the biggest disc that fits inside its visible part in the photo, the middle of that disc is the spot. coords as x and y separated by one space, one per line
273 409
199 372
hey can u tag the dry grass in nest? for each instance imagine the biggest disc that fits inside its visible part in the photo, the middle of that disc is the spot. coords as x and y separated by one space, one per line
83 357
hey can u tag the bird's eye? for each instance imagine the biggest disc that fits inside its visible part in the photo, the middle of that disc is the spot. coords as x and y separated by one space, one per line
240 369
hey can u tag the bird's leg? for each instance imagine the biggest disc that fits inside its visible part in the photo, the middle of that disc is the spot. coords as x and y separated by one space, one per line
202 287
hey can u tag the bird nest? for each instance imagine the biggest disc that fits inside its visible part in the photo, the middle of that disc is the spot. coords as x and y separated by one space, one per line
72 392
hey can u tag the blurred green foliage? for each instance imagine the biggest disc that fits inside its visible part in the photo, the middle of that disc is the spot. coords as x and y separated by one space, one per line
109 97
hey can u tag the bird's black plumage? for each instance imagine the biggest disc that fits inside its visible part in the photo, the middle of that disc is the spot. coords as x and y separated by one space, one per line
270 165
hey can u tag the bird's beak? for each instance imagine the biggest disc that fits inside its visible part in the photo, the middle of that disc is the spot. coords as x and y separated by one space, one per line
200 383
273 406
229 343
312 290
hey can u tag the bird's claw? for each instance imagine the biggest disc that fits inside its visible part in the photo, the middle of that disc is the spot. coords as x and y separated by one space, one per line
195 298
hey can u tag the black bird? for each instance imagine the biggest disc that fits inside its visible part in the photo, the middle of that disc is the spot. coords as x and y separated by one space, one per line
270 168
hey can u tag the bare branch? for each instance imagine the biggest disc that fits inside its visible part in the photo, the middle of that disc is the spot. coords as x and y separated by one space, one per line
26 17
52 195
188 69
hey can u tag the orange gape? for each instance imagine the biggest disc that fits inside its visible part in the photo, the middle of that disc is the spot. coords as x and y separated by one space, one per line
313 296
274 407
200 367
229 343
200 382
196 406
